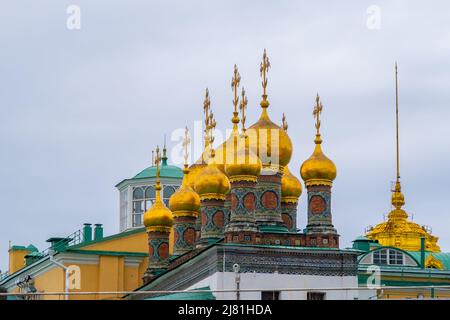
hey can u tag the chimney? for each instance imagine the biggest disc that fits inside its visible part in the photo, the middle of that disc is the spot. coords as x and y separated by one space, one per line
98 232
87 232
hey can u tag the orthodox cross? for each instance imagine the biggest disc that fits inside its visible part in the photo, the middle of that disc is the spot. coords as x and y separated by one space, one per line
243 107
316 112
235 81
206 111
285 125
263 69
186 142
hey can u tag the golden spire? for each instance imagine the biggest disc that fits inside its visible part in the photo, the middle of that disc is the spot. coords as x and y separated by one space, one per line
263 70
186 142
242 108
235 81
396 120
397 199
316 113
284 123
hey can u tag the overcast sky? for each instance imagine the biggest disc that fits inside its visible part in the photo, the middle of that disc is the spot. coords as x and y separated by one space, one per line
81 109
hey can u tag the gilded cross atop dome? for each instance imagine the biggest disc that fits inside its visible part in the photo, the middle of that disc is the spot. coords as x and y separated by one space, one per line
186 142
284 122
211 127
316 113
207 113
263 70
235 82
157 161
243 108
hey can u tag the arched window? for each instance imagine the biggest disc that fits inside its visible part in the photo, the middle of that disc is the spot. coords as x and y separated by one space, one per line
138 206
149 197
150 193
138 193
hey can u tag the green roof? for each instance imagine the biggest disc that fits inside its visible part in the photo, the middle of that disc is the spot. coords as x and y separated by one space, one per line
187 295
444 257
167 171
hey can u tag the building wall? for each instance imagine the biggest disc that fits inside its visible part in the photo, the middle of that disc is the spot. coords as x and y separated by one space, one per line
16 259
221 280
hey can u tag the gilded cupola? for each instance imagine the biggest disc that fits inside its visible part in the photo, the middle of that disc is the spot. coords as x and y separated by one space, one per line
318 169
270 142
246 165
211 183
185 201
398 231
158 218
291 187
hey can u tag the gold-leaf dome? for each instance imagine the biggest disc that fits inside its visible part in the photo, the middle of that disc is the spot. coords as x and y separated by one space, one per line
185 201
197 167
291 187
226 152
158 217
211 183
264 129
318 169
246 165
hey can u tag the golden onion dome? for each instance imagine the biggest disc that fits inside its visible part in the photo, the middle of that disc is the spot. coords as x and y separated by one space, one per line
185 201
211 183
280 147
197 167
318 169
226 152
246 165
291 187
158 217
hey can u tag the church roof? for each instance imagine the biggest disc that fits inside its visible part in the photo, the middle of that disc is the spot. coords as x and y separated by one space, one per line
167 171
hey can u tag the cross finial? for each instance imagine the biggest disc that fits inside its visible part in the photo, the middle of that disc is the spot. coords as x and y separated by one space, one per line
263 70
212 125
235 81
316 113
186 142
242 108
157 161
285 125
206 111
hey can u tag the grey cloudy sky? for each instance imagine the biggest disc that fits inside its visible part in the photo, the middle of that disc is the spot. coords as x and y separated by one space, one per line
81 110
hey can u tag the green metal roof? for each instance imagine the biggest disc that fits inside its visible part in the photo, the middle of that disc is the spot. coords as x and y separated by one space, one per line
167 171
187 295
444 257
